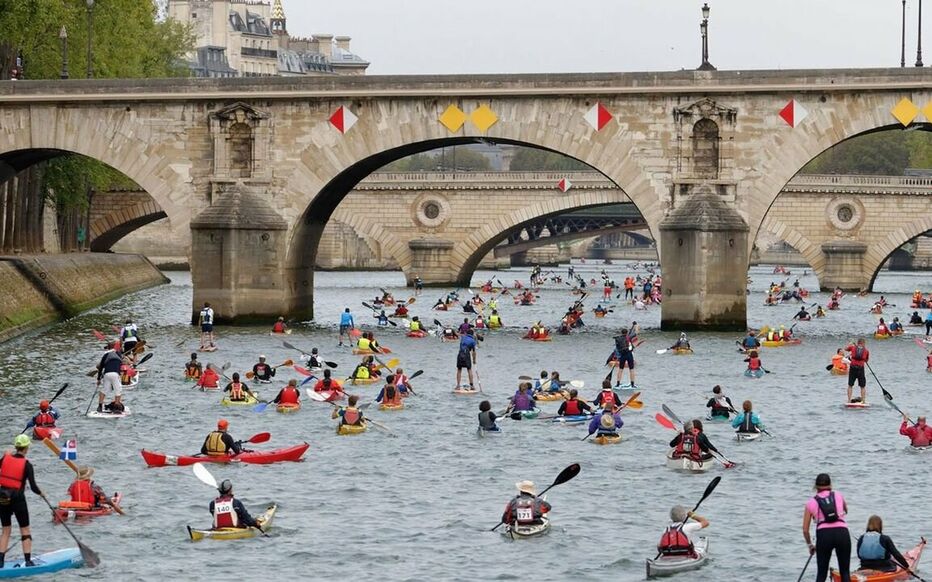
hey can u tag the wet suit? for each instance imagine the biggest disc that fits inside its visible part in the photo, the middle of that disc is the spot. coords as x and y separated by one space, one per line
16 505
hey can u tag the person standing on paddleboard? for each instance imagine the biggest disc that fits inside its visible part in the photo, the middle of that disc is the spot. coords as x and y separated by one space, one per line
15 473
828 508
108 374
466 358
859 358
206 320
624 355
346 323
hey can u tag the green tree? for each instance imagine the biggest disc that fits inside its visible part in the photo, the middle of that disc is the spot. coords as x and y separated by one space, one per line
536 160
882 153
460 158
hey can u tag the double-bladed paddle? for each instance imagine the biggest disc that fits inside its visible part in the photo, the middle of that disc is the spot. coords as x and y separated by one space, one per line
292 347
205 476
250 374
91 559
564 476
630 402
721 458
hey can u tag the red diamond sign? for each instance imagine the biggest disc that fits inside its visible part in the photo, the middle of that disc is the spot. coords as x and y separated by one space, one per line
598 117
343 119
793 114
564 185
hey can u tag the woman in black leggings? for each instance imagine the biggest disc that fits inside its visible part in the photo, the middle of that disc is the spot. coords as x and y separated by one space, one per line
828 508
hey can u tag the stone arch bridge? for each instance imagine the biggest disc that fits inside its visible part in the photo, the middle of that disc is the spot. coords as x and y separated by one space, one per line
254 168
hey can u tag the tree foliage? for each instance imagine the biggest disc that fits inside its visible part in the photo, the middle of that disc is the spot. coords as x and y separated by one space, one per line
882 153
445 160
535 160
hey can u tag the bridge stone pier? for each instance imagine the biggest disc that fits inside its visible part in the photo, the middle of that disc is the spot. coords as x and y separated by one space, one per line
297 147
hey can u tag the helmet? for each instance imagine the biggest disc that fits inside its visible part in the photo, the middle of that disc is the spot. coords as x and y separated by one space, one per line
261 358
44 405
21 441
313 351
226 486
223 424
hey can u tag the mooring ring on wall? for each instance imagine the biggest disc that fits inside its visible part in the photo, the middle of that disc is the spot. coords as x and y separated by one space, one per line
845 213
432 210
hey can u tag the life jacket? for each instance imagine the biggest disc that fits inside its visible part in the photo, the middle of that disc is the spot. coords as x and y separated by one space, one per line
747 425
352 416
361 373
224 513
523 401
608 397
391 396
754 364
12 472
602 429
859 353
130 332
622 345
674 542
882 330
215 445
720 406
771 336
689 446
289 395
525 510
364 344
207 315
401 310
83 492
126 374
263 370
209 379
44 419
192 370
495 321
415 326
838 362
485 420
279 327
870 548
572 408
236 391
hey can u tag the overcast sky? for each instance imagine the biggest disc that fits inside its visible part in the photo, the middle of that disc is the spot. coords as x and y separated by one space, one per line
512 36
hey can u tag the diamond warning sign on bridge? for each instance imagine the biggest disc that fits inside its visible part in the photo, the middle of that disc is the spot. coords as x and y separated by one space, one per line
564 185
598 117
343 119
793 113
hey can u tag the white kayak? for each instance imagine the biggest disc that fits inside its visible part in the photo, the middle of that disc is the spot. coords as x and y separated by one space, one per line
527 531
918 450
133 382
747 436
668 565
687 464
126 412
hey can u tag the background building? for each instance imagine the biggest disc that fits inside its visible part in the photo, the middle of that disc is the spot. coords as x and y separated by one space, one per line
249 38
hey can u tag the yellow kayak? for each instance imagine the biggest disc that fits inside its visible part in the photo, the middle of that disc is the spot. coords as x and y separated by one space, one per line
236 533
882 336
362 381
682 351
839 372
549 396
780 344
288 408
607 439
399 406
346 429
250 401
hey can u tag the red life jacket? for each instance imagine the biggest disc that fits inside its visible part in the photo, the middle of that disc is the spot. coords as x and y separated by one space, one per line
351 416
674 542
12 472
525 509
394 398
44 419
689 446
572 408
289 395
279 327
224 514
82 492
608 397
754 364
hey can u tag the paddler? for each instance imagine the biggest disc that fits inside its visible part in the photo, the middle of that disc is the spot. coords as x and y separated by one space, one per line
522 401
606 423
15 472
289 394
440 305
346 323
820 312
877 551
219 443
46 416
449 334
206 320
108 373
349 414
280 326
607 395
693 443
840 361
747 420
526 508
895 325
540 382
750 342
828 508
677 538
361 372
415 324
401 310
720 404
382 318
802 314
209 380
915 319
389 395
882 328
465 326
465 359
468 307
495 320
859 356
238 390
327 384
374 368
573 406
402 382
920 434
418 285
363 344
682 343
85 494
624 355
753 361
313 360
229 511
129 337
193 369
480 322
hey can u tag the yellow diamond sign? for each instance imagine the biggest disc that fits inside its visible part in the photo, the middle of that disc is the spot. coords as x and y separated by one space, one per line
927 111
905 112
453 118
483 118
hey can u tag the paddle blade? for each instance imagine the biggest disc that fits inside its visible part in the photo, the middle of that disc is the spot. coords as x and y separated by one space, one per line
262 437
635 405
290 347
62 389
662 351
566 474
99 335
671 414
330 364
91 559
260 407
710 488
355 333
201 472
664 421
250 375
392 363
308 379
286 363
415 375
577 384
145 358
301 370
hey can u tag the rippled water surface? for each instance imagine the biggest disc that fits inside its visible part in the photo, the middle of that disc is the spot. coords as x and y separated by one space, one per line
419 506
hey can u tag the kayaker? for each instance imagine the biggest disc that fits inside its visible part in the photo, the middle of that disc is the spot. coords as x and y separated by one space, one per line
280 326
389 395
402 382
46 416
624 355
540 382
692 443
127 372
313 361
819 311
219 443
895 325
607 423
882 328
401 310
363 344
440 305
753 361
289 394
554 385
15 473
210 379
840 361
468 307
382 318
720 404
415 324
346 323
859 356
920 434
802 314
85 494
677 538
349 414
418 285
487 418
238 390
108 374
373 345
465 326
262 371
495 320
682 343
522 401
129 337
465 358
526 508
747 420
375 370
480 322
573 406
915 319
327 383
193 369
828 508
750 342
607 395
229 511
206 320
449 334
876 551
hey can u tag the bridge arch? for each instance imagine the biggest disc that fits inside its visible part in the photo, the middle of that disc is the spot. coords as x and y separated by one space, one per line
107 229
878 254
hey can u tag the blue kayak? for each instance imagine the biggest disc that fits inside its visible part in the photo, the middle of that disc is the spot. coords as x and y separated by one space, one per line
754 373
44 563
572 419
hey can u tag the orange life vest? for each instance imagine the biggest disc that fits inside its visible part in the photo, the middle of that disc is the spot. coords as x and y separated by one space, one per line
44 419
289 395
12 472
81 491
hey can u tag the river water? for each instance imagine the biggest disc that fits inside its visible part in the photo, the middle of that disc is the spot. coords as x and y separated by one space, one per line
419 506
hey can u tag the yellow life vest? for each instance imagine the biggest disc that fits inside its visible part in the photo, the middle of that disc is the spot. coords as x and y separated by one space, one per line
361 373
363 344
415 326
495 321
215 445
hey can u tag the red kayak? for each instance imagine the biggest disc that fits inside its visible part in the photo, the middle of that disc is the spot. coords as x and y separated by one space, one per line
71 510
294 453
417 333
49 432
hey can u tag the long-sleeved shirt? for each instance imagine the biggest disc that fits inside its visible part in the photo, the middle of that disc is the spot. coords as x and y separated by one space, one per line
245 520
595 425
890 552
738 422
109 362
701 439
919 436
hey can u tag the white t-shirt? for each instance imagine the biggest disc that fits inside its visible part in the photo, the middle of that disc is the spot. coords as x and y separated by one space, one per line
689 528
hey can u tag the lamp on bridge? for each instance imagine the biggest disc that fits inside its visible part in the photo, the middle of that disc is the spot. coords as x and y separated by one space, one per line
919 38
63 35
90 27
704 29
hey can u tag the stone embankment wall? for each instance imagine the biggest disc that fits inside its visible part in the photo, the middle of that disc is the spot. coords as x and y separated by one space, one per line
39 289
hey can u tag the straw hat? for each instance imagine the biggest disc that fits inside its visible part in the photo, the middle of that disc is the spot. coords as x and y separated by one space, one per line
85 472
526 487
607 421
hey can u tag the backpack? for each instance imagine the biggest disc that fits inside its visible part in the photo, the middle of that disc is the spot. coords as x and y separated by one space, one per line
828 508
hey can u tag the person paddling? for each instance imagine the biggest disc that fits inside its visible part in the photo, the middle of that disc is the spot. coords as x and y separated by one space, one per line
389 395
607 423
750 342
280 326
465 359
228 511
682 343
607 395
289 394
720 405
45 418
920 434
522 401
624 356
108 376
262 371
209 380
328 384
84 493
193 369
526 508
877 551
693 443
487 418
747 420
828 508
840 361
15 473
350 414
220 443
677 539
859 356
238 390
754 362
346 324
573 406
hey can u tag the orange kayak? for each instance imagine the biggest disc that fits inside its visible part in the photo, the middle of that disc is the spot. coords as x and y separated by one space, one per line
912 557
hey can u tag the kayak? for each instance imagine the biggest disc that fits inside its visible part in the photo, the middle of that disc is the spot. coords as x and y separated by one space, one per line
682 351
44 563
599 314
747 436
236 533
780 344
525 414
418 333
363 381
359 352
550 396
687 464
545 338
47 432
288 408
345 429
203 388
607 439
882 336
527 531
482 432
759 373
126 412
912 559
856 405
717 418
399 406
667 565
70 510
275 333
133 382
839 371
917 450
572 419
332 395
294 453
250 401
465 391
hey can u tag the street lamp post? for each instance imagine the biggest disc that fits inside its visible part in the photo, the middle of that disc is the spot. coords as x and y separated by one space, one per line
919 38
704 29
63 35
90 28
903 41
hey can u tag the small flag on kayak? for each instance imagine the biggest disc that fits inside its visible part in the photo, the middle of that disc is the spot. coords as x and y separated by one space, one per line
70 451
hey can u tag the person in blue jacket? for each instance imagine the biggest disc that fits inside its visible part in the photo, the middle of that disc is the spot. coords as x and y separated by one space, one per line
346 323
607 423
750 342
747 420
